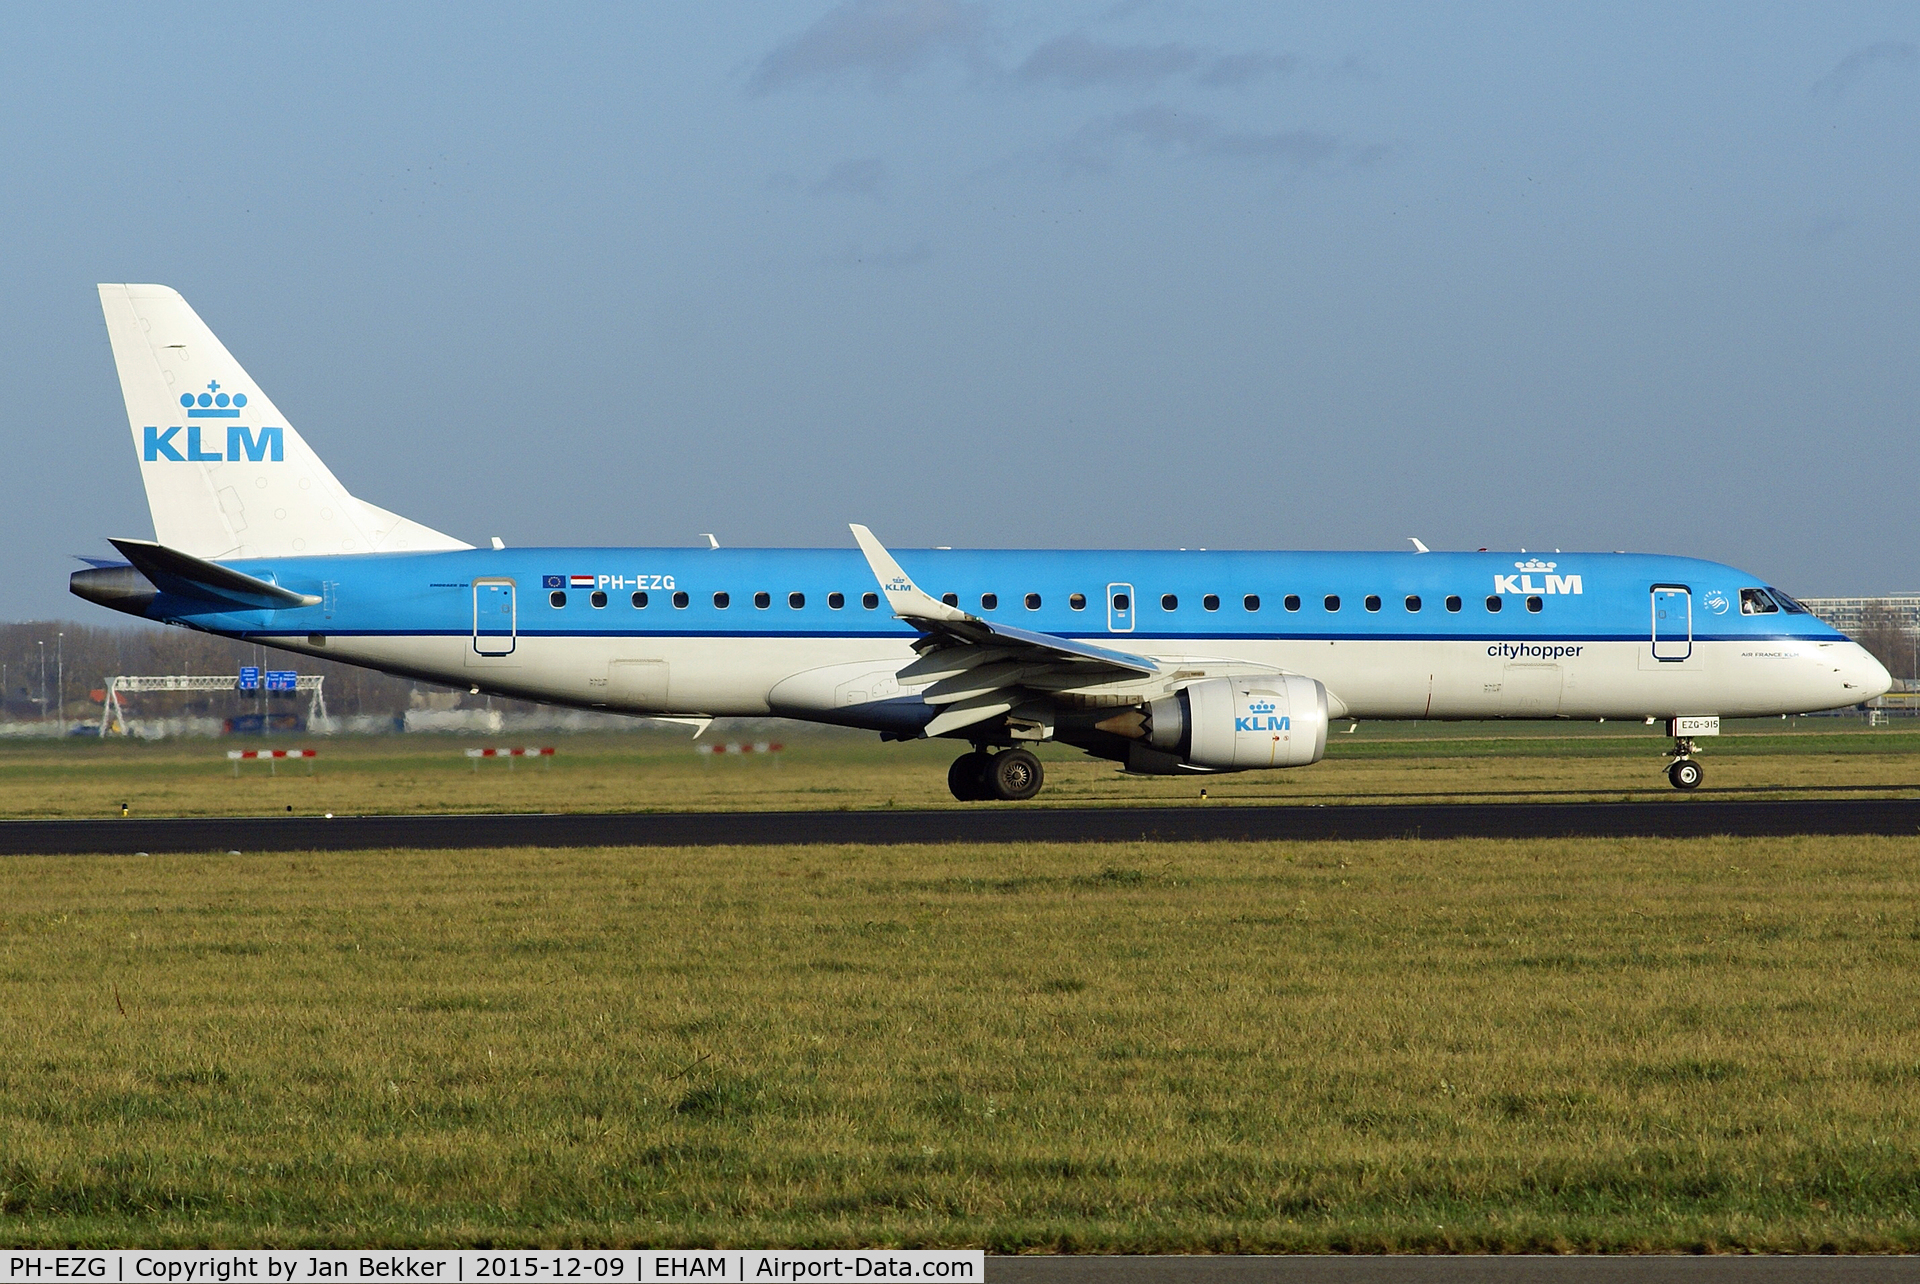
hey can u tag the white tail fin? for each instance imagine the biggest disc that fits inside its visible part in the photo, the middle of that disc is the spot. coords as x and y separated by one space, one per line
226 474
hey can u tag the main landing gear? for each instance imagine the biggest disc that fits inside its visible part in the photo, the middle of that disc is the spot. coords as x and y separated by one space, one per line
1013 775
1684 773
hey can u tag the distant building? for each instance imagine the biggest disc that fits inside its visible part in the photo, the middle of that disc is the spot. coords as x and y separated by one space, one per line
1848 614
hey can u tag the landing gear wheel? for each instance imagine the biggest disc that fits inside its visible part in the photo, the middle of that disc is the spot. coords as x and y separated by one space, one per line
1685 774
966 778
1015 775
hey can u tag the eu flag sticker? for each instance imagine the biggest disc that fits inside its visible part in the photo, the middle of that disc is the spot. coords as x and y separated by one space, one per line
553 581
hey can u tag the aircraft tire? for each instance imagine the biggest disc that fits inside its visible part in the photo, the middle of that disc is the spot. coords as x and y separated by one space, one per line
1015 775
1685 774
966 778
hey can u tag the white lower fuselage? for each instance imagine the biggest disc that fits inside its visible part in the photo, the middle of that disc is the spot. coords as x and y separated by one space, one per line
831 679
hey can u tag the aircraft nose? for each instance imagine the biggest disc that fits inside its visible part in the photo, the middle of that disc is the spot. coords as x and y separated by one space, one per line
1862 676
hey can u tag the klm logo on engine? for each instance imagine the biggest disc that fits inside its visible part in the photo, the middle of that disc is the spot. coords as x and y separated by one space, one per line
1523 583
256 445
1263 718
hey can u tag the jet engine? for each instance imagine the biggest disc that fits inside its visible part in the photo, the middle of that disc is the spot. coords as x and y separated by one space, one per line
1228 724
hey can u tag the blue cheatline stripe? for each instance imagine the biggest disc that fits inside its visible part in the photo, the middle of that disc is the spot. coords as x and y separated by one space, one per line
1517 639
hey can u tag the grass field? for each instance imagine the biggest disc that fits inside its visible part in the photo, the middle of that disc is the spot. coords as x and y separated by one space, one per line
1444 1045
662 772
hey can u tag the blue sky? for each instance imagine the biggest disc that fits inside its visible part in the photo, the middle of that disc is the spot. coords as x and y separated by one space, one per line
1147 274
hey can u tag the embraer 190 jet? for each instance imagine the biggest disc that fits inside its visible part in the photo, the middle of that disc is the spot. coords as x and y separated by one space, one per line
1164 662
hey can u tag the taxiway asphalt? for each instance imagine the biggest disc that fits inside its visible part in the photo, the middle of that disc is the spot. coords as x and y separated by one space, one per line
1685 818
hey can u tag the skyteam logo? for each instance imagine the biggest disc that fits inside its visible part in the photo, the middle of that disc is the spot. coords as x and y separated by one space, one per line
1523 582
242 443
1263 718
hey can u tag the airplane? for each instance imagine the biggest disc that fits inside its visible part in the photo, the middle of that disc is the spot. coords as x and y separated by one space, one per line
1165 662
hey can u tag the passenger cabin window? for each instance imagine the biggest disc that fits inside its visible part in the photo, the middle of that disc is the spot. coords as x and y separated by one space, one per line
836 600
951 599
1534 604
557 597
763 600
639 601
1121 602
796 600
1332 602
680 601
1413 603
1756 602
721 601
870 600
1033 601
989 601
1168 602
1453 603
1211 602
598 599
1291 601
1494 603
1078 601
1373 601
1251 601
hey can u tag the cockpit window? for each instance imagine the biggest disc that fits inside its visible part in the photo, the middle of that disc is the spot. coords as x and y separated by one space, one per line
1756 602
1787 604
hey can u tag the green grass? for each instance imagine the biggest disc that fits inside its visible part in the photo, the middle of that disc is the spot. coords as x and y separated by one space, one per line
1631 1045
654 771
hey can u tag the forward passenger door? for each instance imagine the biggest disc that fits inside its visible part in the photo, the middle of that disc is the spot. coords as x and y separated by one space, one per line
1672 622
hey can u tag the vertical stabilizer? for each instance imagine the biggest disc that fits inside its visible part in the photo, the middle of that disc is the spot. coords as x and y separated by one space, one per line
226 474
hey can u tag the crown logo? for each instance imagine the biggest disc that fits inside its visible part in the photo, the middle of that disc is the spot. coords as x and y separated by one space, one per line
1261 706
213 403
1534 564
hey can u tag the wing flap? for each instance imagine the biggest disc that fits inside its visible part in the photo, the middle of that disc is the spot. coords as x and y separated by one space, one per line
968 712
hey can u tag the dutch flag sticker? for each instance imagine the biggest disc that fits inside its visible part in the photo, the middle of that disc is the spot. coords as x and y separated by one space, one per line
581 581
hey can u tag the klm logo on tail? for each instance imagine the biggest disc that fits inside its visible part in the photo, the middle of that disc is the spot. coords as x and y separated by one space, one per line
242 443
213 404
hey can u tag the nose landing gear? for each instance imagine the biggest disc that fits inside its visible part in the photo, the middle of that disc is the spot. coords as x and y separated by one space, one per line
1684 772
1013 775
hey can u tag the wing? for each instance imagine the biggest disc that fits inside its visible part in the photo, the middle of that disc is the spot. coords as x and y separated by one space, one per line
980 669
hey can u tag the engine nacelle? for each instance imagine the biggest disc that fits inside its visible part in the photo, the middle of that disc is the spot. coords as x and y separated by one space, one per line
1241 724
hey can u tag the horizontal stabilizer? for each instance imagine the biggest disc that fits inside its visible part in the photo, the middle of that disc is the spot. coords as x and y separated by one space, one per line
188 576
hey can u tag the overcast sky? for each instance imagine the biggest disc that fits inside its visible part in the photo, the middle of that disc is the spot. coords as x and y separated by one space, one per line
1142 275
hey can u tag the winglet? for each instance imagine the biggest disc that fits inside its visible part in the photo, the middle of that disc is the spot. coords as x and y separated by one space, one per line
903 595
1418 547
